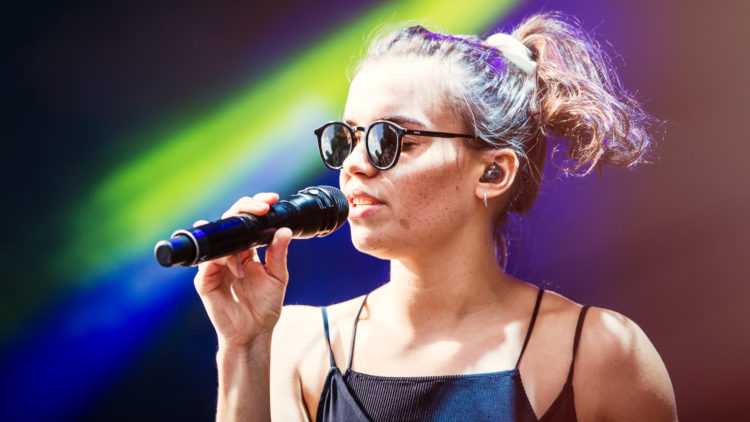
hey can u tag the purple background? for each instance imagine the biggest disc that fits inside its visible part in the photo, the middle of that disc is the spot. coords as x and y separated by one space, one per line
666 245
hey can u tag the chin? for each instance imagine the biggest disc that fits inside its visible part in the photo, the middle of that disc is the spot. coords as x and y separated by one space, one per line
372 244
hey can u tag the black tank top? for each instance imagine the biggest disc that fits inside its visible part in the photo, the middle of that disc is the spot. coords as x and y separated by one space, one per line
496 396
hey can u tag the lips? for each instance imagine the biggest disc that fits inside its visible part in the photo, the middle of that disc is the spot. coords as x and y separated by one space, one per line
359 200
362 204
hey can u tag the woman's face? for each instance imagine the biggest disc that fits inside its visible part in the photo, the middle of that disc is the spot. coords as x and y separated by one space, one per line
428 197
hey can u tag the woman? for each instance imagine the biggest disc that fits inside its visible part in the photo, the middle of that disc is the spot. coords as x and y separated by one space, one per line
451 335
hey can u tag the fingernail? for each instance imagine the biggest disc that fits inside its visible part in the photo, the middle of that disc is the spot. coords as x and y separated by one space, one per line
240 270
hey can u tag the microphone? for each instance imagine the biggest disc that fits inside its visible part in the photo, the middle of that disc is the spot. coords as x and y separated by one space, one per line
315 211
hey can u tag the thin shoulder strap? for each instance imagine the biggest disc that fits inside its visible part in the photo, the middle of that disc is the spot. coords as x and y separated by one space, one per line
354 332
531 325
324 310
579 328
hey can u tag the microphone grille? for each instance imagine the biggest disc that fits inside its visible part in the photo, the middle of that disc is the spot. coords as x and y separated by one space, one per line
342 205
327 211
337 206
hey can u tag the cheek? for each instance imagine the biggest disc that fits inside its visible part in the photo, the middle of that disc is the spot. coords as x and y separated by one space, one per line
430 197
436 189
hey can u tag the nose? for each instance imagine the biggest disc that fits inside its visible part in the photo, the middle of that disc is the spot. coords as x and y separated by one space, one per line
357 162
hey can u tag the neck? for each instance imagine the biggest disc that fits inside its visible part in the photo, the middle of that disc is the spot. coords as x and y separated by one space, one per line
447 283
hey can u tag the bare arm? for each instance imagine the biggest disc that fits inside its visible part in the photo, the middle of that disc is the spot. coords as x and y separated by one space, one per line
243 382
243 298
296 349
622 377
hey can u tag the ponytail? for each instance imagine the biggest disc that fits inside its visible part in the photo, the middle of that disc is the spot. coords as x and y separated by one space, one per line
579 99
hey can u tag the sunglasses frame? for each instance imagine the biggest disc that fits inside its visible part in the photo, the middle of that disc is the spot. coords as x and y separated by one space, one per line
400 131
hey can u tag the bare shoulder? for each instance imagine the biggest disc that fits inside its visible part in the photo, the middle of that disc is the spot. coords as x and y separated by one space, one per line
300 329
296 325
346 310
619 374
556 306
300 357
298 333
341 318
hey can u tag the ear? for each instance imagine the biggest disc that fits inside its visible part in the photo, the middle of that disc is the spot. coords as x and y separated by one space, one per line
498 171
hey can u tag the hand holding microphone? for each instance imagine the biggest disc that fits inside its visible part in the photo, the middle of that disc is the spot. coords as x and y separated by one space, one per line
242 296
312 212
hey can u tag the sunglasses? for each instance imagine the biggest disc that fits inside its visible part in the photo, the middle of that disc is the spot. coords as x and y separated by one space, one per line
383 142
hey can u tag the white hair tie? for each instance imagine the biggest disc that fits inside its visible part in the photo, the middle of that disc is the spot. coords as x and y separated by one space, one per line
513 50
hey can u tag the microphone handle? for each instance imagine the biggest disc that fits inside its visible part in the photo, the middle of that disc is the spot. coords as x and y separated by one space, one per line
242 232
312 212
227 236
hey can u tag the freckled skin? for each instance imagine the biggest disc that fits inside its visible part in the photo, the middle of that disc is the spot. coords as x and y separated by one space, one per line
428 193
448 308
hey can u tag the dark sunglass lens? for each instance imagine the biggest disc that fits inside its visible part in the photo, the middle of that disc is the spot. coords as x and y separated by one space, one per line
382 144
335 144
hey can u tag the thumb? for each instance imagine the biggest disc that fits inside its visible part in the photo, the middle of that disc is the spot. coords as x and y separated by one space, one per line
276 255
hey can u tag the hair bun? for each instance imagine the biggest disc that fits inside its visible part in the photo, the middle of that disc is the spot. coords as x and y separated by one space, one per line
513 50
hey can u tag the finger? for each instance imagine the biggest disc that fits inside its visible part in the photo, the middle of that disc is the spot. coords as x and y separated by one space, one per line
268 197
221 264
200 223
258 204
251 263
276 254
235 266
247 205
209 277
214 291
253 270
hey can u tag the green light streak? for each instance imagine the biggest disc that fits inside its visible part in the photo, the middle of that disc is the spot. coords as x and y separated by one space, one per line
128 210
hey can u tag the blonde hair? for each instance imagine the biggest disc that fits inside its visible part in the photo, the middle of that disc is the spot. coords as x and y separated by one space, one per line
572 95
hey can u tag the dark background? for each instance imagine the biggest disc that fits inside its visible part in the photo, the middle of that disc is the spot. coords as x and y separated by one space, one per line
667 245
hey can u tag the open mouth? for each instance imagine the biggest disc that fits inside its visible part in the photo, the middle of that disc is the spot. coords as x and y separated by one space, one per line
362 204
360 201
